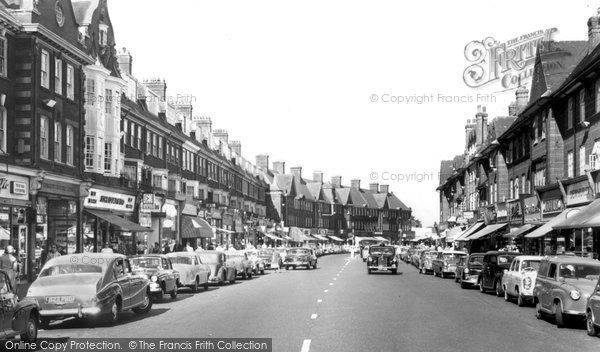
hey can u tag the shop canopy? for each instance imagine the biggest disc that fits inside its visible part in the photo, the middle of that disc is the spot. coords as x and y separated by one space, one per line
476 226
589 216
548 227
298 235
195 227
488 230
521 230
273 237
379 238
223 230
117 221
337 239
320 238
453 233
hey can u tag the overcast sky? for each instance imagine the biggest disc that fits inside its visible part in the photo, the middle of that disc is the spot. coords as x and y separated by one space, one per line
295 79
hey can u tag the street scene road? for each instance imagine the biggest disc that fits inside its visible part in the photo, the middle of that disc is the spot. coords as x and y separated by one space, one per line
339 307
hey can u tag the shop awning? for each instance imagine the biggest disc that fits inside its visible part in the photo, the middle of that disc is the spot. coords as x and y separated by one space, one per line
320 238
476 226
189 209
223 230
195 227
117 221
337 239
521 230
273 237
452 233
548 227
486 231
589 216
379 238
297 235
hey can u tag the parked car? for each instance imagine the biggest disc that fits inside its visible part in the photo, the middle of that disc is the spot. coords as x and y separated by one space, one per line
518 281
271 257
382 258
425 261
239 261
416 258
444 263
592 311
219 272
192 272
89 285
494 264
296 257
159 269
407 256
563 286
468 270
258 263
17 317
402 252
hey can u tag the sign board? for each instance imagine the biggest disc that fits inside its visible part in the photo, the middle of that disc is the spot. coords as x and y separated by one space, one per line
501 212
579 192
515 212
101 199
468 215
14 187
551 206
531 209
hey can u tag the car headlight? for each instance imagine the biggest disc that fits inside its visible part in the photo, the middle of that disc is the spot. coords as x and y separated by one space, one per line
370 259
575 295
466 271
527 283
154 278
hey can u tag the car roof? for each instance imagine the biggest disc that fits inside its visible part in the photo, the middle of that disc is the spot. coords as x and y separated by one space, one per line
153 255
529 257
571 260
174 254
453 252
501 253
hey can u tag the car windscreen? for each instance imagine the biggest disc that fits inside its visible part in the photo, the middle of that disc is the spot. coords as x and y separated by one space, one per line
533 265
298 252
476 260
65 269
455 256
579 271
182 260
382 250
145 262
209 257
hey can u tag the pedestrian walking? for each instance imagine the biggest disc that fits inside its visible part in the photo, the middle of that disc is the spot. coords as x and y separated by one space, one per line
9 264
141 249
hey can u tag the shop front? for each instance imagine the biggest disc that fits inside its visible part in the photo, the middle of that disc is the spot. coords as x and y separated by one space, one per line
195 231
109 220
552 210
170 225
15 209
151 216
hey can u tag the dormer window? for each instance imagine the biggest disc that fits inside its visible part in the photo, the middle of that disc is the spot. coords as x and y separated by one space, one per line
103 34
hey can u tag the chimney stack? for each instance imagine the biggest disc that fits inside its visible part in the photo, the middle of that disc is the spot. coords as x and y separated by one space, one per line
158 86
262 161
279 167
318 176
512 109
385 189
297 172
204 128
355 184
125 61
469 127
336 181
594 31
374 187
482 128
222 136
236 147
522 98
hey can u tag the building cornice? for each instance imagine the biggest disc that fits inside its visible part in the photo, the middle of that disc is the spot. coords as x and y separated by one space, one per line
59 43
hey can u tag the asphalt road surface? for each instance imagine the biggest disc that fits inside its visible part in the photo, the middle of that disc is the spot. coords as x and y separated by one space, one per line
339 307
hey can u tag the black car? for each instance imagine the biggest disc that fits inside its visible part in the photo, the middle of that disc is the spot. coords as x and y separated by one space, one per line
494 264
17 317
468 270
382 258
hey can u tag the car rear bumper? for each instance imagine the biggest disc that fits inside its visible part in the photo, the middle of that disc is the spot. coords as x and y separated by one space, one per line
382 268
296 263
70 312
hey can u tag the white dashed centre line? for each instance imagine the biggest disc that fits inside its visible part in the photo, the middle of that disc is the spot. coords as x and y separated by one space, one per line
305 346
325 291
319 301
314 316
331 284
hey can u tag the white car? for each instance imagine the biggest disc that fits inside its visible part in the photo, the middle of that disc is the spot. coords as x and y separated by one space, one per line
518 281
192 272
258 264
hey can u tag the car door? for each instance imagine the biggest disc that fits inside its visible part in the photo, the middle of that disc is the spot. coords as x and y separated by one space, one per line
137 284
486 272
7 304
595 303
123 280
170 273
509 277
548 283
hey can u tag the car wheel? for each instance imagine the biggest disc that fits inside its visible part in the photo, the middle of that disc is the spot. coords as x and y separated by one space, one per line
195 286
262 272
294 267
592 330
498 288
145 307
559 317
463 285
506 296
245 275
442 274
115 312
520 300
538 310
369 271
287 267
481 288
395 272
232 281
250 275
455 278
206 286
174 293
315 266
31 329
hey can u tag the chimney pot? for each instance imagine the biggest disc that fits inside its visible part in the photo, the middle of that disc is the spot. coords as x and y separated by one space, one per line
336 181
297 172
318 176
355 184
279 167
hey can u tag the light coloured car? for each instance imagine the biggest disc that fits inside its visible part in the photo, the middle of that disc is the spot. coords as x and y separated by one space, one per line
219 271
592 312
563 286
258 263
518 280
297 257
239 261
89 285
425 261
444 264
192 272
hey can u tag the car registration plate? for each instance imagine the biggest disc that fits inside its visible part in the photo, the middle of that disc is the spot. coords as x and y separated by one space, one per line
60 299
381 267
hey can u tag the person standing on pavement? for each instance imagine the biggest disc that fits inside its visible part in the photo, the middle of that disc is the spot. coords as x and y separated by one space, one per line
10 265
53 252
156 248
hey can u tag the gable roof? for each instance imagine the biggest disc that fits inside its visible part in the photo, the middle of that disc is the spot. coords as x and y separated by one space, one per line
396 203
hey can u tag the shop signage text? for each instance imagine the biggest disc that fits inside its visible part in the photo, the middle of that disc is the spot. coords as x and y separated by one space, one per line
579 192
14 187
552 206
101 199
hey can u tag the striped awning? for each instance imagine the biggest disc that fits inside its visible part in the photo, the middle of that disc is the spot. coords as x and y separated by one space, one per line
335 238
195 227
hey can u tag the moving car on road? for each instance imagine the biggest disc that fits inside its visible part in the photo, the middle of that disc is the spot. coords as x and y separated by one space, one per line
17 318
297 257
89 285
192 272
518 281
469 269
494 264
382 258
563 286
219 272
444 263
158 268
